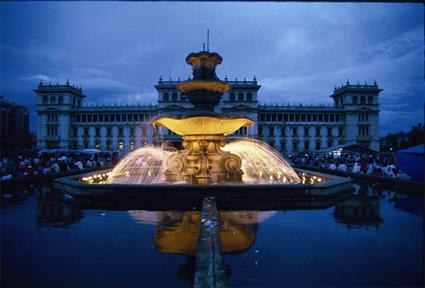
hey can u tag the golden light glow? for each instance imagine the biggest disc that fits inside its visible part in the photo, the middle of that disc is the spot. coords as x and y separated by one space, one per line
203 125
216 86
261 163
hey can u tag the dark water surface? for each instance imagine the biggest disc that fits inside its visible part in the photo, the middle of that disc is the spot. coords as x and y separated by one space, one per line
374 238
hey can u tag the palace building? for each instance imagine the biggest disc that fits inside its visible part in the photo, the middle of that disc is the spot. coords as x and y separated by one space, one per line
64 122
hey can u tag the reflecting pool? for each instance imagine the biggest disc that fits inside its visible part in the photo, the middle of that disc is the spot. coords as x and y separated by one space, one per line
374 238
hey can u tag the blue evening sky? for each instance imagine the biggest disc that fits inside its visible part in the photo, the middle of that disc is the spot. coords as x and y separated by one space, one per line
298 51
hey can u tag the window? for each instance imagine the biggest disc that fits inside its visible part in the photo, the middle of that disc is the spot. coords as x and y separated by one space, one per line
73 102
306 131
174 97
355 100
302 117
86 132
317 131
120 131
109 132
240 96
95 118
249 97
120 145
60 99
260 130
131 145
370 100
340 131
317 145
329 131
97 131
45 100
74 131
232 97
166 97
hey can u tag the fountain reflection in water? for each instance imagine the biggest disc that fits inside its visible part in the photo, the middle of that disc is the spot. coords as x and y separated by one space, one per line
261 163
142 166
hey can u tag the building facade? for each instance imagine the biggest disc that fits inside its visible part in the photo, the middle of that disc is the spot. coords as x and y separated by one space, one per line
14 123
64 122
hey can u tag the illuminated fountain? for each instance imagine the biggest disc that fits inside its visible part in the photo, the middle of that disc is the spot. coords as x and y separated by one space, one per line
203 161
239 172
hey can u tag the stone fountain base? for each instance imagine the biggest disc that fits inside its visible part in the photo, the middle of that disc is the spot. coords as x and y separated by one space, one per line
188 197
202 162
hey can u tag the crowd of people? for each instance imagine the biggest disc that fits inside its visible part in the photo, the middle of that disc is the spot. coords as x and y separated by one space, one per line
34 164
377 164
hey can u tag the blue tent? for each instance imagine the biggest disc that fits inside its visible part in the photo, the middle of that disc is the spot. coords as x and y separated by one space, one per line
411 162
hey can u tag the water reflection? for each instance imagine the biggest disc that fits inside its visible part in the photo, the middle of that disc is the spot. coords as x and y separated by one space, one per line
361 210
55 213
177 232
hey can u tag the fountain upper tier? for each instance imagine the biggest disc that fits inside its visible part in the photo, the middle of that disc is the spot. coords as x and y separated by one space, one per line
204 125
204 91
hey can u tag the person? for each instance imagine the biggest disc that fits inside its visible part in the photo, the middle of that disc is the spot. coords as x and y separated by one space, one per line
55 167
79 165
342 167
356 168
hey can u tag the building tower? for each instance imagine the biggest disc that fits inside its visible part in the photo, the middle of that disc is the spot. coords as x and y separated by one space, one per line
360 106
55 104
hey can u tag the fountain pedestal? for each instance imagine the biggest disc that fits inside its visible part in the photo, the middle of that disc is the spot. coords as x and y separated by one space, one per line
203 162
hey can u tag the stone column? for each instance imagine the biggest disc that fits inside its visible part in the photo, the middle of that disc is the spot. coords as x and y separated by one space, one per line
80 133
126 132
138 137
288 135
103 138
114 138
312 143
91 137
334 135
323 137
150 134
277 138
300 134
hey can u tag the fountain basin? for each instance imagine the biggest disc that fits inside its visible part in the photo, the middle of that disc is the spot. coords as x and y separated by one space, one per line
188 196
203 125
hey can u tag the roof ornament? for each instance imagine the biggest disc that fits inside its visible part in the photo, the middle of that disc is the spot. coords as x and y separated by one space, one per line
358 83
225 78
374 82
255 78
67 81
208 40
160 78
348 82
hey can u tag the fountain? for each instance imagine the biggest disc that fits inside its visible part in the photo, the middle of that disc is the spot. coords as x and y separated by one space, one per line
236 170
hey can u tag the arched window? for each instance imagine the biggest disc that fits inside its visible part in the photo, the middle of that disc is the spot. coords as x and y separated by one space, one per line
355 100
232 97
370 100
249 97
362 100
53 100
60 99
166 97
45 100
240 96
174 97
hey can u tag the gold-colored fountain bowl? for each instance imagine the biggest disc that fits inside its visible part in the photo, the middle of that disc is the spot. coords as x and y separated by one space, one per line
203 125
216 86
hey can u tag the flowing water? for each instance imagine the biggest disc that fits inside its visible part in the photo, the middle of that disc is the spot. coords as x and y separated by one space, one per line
260 163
